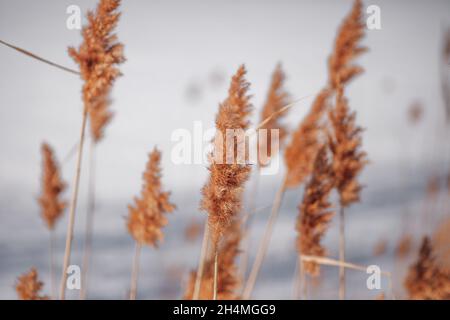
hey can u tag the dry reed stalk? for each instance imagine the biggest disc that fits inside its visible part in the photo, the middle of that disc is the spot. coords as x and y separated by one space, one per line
222 194
315 212
298 157
73 204
147 216
273 110
220 277
348 160
28 286
346 265
34 56
201 263
89 223
97 57
425 279
51 205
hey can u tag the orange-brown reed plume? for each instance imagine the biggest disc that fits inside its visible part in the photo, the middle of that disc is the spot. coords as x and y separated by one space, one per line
315 211
50 202
277 98
302 149
28 286
345 137
222 194
147 215
52 187
425 279
97 57
228 280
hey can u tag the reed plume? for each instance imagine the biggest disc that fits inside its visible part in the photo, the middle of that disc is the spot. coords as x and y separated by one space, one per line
404 246
147 215
222 194
28 286
348 158
302 149
97 57
277 98
425 279
52 186
341 68
315 211
50 202
228 274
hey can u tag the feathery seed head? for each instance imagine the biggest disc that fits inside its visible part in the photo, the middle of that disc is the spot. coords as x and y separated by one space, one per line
147 214
28 286
52 186
98 57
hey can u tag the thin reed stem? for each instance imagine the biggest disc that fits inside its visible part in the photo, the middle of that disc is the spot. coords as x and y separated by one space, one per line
89 223
216 272
201 263
246 223
264 242
73 205
341 253
135 272
52 264
32 55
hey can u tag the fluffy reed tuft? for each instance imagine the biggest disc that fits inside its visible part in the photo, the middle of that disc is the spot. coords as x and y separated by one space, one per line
222 194
426 280
228 274
52 186
147 215
28 286
98 57
302 149
404 246
277 98
315 213
345 142
346 48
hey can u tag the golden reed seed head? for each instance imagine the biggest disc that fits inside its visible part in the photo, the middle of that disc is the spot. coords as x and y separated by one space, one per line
98 57
222 194
302 149
345 143
315 214
425 279
346 48
228 281
52 187
147 216
28 286
277 98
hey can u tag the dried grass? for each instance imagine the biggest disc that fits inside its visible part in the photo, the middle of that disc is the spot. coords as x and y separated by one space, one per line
222 194
315 212
52 187
425 279
28 286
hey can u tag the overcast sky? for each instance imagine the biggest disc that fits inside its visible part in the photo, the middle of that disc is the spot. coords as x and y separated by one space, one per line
180 56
